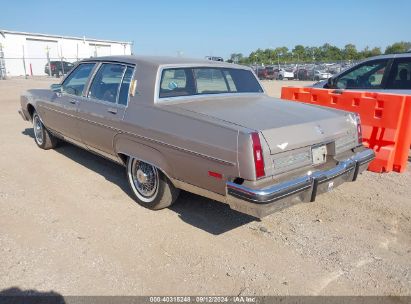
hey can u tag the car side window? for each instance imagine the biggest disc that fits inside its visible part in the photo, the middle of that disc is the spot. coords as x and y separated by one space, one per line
74 84
106 82
366 76
125 86
400 74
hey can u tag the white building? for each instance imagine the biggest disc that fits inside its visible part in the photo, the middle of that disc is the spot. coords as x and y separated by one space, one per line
27 53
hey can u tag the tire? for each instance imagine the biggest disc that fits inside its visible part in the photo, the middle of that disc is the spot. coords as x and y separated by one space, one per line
43 138
151 188
280 77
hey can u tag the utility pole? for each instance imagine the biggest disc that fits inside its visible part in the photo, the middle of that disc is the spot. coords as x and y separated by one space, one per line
24 64
61 61
278 60
48 59
2 63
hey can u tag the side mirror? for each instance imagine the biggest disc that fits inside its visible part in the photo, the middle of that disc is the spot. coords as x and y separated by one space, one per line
58 88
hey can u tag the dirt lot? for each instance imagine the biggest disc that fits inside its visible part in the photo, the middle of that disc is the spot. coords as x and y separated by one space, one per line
68 224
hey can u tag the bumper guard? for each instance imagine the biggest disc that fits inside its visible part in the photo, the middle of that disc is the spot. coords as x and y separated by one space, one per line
264 201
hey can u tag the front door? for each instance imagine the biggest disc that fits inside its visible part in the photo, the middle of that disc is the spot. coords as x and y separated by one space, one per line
101 113
61 111
367 76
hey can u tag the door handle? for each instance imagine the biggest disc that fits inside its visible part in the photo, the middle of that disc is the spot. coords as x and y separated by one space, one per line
112 110
72 101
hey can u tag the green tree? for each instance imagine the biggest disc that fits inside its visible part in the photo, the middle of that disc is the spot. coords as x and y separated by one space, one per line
324 53
299 53
367 52
350 52
398 47
329 52
236 57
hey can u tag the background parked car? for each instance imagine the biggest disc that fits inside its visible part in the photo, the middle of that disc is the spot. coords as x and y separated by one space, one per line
261 73
388 73
58 68
214 58
318 75
302 74
285 74
272 72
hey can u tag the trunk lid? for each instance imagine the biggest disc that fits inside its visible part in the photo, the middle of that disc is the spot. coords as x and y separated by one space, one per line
285 125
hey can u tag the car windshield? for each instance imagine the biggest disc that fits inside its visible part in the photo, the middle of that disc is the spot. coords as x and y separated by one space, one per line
207 80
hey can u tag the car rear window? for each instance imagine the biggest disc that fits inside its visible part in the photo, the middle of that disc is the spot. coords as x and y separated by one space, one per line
207 80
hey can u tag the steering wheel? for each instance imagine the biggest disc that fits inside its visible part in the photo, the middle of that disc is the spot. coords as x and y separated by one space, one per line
363 81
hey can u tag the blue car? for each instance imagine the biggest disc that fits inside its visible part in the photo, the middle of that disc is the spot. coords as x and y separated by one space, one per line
385 73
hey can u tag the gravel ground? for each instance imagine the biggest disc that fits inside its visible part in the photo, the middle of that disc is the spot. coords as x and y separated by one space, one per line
68 224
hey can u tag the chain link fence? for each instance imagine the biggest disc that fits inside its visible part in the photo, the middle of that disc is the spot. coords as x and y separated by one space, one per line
52 58
37 66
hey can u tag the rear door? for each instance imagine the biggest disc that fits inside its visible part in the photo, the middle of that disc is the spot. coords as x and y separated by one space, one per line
102 112
61 111
399 78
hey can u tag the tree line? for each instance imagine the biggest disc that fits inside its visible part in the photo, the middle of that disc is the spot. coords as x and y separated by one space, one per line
324 53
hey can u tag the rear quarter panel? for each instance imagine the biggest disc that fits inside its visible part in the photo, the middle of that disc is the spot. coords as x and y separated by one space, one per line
184 147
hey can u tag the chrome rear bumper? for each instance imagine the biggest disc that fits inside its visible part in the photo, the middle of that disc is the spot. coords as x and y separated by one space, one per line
264 201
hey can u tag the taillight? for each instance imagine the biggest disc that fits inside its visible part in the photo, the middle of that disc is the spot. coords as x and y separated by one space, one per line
359 129
258 155
53 66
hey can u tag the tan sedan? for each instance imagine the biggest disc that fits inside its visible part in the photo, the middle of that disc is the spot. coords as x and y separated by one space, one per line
201 126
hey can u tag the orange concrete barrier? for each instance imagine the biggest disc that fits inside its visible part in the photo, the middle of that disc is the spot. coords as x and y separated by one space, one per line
386 121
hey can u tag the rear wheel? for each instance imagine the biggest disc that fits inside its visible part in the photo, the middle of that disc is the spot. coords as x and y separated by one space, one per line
43 138
151 188
280 77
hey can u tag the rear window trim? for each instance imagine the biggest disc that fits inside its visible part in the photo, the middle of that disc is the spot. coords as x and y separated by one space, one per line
161 68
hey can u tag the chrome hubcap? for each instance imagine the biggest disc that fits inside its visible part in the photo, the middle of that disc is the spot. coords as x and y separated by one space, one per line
145 178
38 130
142 177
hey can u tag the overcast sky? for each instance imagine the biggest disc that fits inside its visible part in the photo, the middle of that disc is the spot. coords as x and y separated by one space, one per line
201 28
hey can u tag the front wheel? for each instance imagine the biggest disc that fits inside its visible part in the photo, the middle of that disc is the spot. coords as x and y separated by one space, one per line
151 188
44 139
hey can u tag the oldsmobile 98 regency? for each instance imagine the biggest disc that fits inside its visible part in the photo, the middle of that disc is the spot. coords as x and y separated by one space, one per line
202 126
